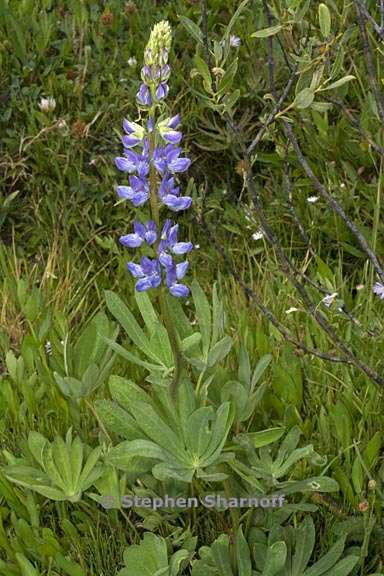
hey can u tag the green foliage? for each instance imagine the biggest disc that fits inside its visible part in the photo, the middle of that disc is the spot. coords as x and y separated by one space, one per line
64 469
253 415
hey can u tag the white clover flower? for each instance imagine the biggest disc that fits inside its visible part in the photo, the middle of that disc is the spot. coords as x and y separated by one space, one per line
47 104
258 235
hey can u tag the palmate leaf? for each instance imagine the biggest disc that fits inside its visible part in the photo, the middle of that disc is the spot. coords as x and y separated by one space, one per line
150 558
61 475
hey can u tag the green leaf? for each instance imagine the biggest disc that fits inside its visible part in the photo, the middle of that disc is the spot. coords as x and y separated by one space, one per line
147 311
117 420
120 311
338 83
76 458
243 555
266 32
203 313
344 567
198 433
261 367
372 451
324 20
153 426
326 562
304 99
27 569
69 567
203 70
275 560
305 541
86 475
125 392
192 28
219 351
131 357
37 444
265 437
357 476
220 554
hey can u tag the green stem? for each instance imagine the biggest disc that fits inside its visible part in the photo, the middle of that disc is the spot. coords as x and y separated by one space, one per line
162 300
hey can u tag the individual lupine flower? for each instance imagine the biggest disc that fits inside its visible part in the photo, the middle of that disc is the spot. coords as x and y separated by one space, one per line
170 195
135 133
167 129
133 162
137 192
234 41
144 95
378 288
148 271
168 159
176 272
162 91
168 243
142 233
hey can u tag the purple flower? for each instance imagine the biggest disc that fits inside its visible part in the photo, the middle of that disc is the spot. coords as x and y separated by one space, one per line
133 162
167 159
148 271
170 195
165 73
174 273
143 233
168 242
137 192
378 288
167 129
234 41
162 91
144 95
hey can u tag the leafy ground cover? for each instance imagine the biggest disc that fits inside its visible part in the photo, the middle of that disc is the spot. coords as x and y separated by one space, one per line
282 113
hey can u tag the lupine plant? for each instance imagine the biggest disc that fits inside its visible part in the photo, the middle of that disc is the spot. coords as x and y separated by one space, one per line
152 158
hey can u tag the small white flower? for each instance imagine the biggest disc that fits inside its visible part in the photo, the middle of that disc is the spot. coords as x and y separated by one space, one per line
47 104
234 41
132 61
197 246
292 309
342 185
360 287
62 125
48 347
258 235
312 199
328 299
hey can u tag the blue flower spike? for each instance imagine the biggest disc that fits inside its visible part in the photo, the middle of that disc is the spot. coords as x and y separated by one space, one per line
152 154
